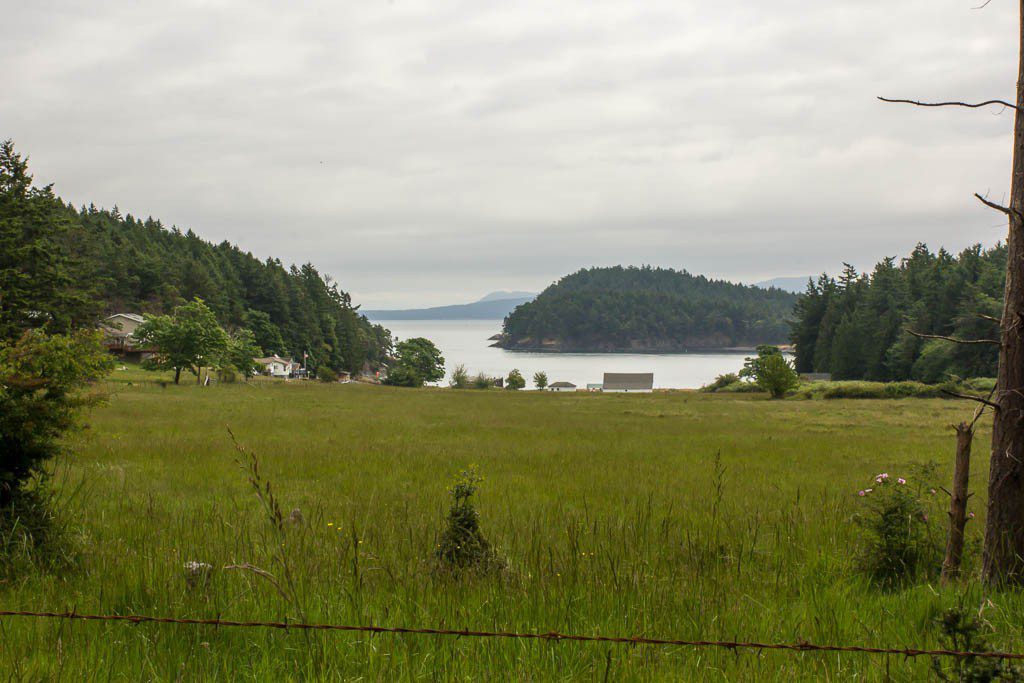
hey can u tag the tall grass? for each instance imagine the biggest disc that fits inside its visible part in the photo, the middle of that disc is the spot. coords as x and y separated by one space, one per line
678 514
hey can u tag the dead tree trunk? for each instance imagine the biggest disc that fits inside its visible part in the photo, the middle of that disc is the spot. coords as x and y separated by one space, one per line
1004 524
958 502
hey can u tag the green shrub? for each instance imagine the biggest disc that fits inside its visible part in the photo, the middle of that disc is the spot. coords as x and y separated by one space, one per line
721 381
962 631
771 371
482 381
740 387
899 543
463 545
515 380
42 378
325 373
460 378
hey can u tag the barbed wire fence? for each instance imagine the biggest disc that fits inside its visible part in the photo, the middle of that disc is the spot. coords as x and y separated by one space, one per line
549 636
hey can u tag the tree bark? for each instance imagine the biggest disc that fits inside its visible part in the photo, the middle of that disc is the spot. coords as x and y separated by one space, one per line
177 375
1004 524
958 503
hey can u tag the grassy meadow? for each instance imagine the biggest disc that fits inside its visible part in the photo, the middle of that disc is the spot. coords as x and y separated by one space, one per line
676 515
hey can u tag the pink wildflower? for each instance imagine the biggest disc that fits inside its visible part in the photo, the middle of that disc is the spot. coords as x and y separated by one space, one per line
862 493
901 481
971 515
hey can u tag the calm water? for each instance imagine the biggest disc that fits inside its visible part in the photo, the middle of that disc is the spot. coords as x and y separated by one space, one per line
466 342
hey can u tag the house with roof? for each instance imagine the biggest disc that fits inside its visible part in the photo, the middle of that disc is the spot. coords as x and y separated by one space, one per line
628 382
275 366
119 336
561 386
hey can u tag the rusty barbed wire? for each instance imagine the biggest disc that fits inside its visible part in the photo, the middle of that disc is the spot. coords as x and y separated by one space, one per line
800 646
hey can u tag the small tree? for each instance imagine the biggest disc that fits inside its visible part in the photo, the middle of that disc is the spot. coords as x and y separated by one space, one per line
771 371
540 380
188 339
460 378
417 361
482 381
515 380
40 381
242 351
462 544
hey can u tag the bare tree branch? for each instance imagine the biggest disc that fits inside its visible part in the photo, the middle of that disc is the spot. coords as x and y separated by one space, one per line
990 318
970 397
955 340
969 105
992 205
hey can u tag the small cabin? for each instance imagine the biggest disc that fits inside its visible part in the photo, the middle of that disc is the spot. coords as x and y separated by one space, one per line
562 386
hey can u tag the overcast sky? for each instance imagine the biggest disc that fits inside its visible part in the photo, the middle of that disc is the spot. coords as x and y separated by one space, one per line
428 152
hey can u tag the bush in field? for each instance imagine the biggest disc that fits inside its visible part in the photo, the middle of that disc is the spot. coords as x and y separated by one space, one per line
462 544
326 374
515 380
482 381
962 631
41 382
460 378
540 380
898 544
771 371
721 382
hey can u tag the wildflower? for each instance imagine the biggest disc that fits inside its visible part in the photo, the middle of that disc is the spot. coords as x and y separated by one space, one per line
931 491
901 481
882 478
868 490
330 523
862 493
970 515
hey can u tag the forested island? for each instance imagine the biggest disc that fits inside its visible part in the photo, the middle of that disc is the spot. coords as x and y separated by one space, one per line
100 262
646 309
861 326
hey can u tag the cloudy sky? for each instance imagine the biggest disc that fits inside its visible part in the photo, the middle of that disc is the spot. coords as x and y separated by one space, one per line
427 152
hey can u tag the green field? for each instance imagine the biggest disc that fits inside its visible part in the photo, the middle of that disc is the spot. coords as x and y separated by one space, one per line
610 509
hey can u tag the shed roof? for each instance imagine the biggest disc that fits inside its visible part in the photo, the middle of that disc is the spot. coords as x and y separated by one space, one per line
628 380
562 385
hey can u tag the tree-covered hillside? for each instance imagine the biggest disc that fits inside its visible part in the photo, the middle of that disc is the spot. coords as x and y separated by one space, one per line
855 327
112 263
647 309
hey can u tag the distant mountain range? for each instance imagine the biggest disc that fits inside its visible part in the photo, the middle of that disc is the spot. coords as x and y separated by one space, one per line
797 285
494 306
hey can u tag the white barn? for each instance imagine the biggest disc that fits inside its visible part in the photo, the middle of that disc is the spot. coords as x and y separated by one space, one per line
562 386
628 382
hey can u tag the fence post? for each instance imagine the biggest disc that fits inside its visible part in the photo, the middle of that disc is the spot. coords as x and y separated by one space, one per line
958 503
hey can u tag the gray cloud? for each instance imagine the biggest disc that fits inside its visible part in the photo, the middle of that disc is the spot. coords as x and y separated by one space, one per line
427 152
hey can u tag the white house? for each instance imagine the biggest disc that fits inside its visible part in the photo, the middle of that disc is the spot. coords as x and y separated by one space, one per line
275 366
562 386
629 382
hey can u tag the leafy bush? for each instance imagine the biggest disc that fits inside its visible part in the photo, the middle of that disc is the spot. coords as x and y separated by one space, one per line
460 378
325 373
515 380
403 376
771 371
721 382
899 543
482 381
41 382
963 632
462 545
